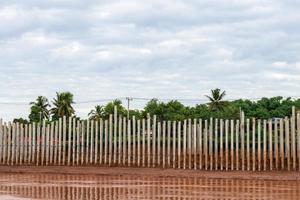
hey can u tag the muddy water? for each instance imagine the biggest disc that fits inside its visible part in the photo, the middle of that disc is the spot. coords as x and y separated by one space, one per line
30 186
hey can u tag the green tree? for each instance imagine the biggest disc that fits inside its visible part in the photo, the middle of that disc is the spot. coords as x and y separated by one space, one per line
216 100
109 108
20 120
154 107
62 105
172 110
39 109
96 113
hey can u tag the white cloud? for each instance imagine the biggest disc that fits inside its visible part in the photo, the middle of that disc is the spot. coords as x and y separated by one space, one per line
167 49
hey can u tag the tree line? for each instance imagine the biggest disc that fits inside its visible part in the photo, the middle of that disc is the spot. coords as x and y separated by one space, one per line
218 107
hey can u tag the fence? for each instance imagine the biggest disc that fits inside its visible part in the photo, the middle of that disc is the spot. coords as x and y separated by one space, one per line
214 144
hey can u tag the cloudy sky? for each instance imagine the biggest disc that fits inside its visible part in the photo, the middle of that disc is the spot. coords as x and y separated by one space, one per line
103 49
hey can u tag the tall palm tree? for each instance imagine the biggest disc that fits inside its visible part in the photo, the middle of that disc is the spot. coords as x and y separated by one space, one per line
216 99
97 113
41 106
63 105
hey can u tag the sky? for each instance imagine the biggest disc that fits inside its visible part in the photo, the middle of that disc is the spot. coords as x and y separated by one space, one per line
171 49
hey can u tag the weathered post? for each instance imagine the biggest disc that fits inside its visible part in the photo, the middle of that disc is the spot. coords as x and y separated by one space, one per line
47 143
270 144
259 144
276 142
51 142
243 140
5 140
9 134
237 128
78 142
56 143
21 144
74 139
200 143
179 144
164 144
154 141
265 145
232 144
293 136
143 141
205 143
124 139
64 139
169 144
17 140
26 143
287 142
59 140
87 143
158 143
221 143
194 143
226 144
115 133
184 144
216 144
69 140
281 132
101 142
148 140
129 142
211 143
253 145
38 144
110 136
174 143
120 141
42 137
248 143
92 142
105 141
133 140
298 139
190 142
82 141
139 142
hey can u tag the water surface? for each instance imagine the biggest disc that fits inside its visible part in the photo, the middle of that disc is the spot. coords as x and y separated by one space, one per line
37 186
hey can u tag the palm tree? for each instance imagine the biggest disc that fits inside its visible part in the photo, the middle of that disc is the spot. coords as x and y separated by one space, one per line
216 99
97 113
40 108
63 105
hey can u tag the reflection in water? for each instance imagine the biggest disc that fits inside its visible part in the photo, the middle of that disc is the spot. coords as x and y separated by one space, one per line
128 187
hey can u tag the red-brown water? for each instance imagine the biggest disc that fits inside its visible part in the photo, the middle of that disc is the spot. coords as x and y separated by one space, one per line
36 186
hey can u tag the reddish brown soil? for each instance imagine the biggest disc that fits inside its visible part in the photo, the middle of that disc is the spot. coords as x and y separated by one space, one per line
66 183
116 171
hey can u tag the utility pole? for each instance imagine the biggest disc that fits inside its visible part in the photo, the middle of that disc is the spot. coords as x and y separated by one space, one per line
128 104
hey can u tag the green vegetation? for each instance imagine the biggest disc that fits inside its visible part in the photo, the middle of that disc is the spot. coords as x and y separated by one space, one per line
62 105
217 107
39 109
216 100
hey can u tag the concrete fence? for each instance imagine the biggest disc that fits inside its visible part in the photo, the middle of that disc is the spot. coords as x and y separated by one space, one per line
214 144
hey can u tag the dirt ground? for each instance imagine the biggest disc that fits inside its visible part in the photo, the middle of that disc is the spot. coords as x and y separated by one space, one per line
66 183
116 171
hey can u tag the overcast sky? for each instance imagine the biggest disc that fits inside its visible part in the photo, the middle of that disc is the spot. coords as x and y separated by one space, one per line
165 49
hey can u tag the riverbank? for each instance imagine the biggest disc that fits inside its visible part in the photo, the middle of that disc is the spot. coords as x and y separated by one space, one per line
119 171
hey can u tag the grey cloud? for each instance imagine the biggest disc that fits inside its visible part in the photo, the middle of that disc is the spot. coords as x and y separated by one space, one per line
167 49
